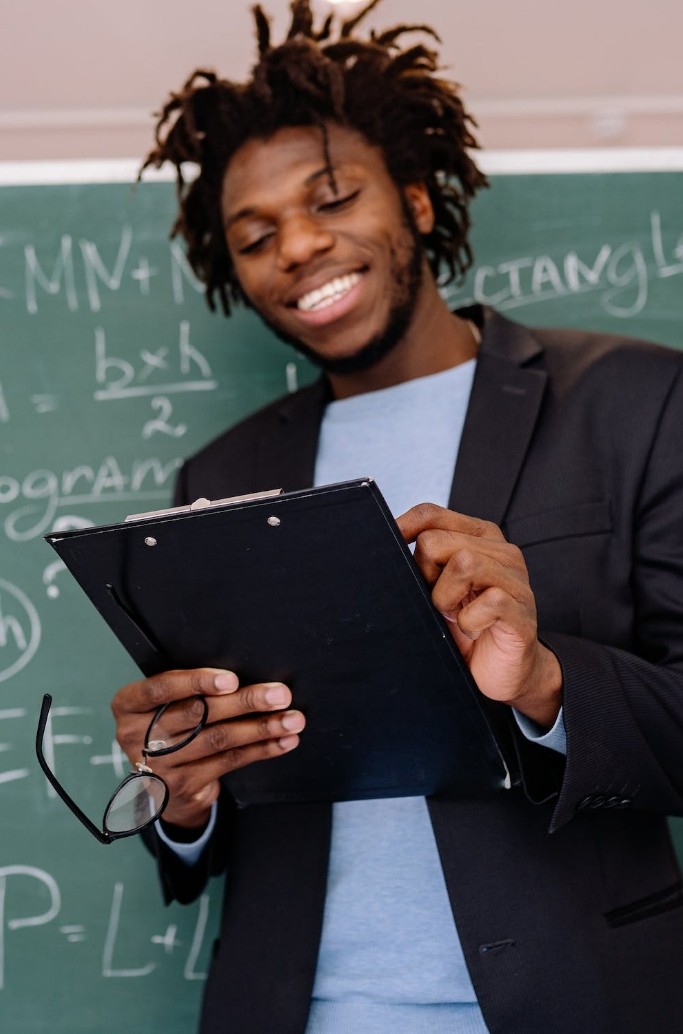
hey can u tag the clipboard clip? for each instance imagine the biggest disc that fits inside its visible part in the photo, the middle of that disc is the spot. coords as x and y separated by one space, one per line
204 504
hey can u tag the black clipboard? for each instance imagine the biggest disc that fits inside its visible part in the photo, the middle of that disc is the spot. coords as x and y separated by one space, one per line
315 588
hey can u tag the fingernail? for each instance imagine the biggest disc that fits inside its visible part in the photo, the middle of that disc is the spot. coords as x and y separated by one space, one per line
277 695
293 721
226 682
288 742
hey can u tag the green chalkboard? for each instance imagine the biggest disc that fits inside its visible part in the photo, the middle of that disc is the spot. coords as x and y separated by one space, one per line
112 369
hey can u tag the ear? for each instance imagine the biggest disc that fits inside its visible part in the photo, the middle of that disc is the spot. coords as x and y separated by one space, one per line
419 202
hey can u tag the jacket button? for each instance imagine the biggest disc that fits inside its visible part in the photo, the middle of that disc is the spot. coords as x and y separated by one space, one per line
495 947
594 801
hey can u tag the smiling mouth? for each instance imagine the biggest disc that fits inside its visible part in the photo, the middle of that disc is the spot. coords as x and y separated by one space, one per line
331 292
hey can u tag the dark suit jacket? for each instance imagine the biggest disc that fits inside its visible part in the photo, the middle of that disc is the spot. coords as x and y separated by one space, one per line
565 891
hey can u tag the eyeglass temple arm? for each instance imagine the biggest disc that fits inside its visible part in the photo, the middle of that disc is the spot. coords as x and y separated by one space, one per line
52 778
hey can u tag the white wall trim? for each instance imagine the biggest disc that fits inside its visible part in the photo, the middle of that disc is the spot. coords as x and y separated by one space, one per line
125 170
593 159
88 170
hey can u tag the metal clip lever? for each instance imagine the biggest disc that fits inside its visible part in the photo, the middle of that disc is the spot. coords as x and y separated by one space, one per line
205 504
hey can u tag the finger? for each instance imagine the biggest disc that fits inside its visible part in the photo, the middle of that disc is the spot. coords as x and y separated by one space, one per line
175 722
185 714
189 779
180 717
222 738
512 617
429 517
460 564
148 694
193 788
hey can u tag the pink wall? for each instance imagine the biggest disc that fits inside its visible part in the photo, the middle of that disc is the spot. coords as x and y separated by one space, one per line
80 78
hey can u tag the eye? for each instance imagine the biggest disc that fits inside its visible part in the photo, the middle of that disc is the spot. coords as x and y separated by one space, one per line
254 246
337 203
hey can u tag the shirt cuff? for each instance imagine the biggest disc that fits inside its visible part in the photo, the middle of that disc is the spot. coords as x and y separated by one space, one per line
555 738
189 853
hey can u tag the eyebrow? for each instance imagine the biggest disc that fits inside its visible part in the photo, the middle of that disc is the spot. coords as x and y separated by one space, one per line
247 212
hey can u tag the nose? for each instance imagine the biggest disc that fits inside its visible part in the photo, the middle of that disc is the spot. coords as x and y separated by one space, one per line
300 239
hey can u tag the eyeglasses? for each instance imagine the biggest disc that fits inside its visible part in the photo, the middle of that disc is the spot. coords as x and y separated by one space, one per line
142 796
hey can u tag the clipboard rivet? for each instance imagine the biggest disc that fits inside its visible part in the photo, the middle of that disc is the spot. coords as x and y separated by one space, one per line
274 522
150 541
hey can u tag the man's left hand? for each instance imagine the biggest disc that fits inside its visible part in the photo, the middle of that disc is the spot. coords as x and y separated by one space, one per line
480 584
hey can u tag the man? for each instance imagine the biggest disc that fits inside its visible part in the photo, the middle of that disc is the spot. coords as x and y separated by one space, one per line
331 189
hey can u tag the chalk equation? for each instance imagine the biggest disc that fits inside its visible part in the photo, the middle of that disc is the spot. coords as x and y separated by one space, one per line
621 275
32 505
30 896
11 714
119 378
20 630
34 883
79 273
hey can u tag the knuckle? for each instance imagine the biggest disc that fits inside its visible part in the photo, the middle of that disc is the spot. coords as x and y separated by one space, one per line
489 530
118 703
123 735
128 735
463 560
253 698
219 737
427 539
424 513
495 598
157 690
193 709
514 555
236 758
266 727
197 678
173 685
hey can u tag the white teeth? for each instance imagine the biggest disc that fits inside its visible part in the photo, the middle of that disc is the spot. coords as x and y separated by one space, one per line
329 293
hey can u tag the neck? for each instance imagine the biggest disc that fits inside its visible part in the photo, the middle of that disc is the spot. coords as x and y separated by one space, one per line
436 340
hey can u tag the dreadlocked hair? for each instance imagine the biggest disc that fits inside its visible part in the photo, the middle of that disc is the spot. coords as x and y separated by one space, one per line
390 94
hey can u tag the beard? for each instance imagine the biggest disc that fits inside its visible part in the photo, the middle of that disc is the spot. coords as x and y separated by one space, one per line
406 274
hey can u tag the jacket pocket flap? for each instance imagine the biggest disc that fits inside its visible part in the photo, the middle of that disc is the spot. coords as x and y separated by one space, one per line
562 523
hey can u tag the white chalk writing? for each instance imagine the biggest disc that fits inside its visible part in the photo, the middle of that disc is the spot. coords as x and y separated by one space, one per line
41 493
19 630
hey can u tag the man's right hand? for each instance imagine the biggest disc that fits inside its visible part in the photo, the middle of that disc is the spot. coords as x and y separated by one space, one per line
245 724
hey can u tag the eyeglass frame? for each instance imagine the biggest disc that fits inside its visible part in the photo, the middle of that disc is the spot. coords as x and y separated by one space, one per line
142 770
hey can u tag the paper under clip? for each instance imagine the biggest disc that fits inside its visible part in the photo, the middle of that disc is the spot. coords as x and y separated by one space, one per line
204 504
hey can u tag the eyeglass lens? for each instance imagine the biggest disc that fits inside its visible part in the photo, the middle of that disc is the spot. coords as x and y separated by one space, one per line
138 801
142 797
175 724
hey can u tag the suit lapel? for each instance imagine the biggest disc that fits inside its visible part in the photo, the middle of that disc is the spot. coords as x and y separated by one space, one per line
502 412
292 449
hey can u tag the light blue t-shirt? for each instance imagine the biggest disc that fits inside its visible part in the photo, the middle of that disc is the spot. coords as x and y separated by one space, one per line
390 959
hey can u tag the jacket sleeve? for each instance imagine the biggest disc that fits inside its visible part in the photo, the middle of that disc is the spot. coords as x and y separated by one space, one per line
184 883
623 708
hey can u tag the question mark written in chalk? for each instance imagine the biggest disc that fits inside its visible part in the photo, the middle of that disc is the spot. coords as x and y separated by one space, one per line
66 523
49 575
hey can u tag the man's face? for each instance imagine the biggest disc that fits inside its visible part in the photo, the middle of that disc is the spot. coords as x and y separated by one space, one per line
332 264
